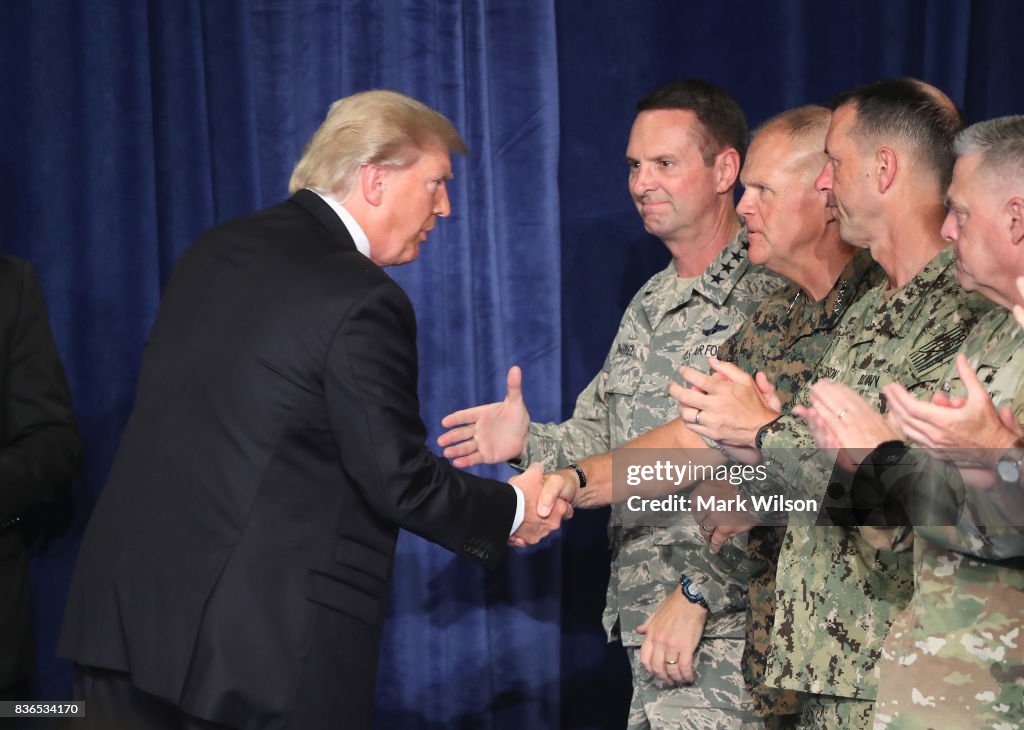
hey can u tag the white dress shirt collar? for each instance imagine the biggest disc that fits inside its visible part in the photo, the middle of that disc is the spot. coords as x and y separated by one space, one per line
354 229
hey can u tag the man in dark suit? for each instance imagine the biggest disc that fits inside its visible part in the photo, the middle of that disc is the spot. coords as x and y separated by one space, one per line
40 452
235 569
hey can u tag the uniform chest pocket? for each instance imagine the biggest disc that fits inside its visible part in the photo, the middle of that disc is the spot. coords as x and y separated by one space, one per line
624 376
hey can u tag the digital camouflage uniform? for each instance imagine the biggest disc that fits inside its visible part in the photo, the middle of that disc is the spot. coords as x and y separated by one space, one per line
659 333
955 656
836 595
785 338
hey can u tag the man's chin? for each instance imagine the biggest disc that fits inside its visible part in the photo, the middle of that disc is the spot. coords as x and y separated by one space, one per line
966 282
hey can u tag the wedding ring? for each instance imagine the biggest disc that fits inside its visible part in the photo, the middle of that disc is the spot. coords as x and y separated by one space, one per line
705 528
842 412
671 661
696 420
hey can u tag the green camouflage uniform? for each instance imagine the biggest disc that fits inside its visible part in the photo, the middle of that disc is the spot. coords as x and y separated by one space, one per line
785 339
955 656
659 333
836 595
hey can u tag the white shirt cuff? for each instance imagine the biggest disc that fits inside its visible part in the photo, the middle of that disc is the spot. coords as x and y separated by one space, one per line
520 509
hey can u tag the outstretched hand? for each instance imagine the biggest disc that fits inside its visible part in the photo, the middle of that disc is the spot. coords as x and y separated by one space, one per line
491 433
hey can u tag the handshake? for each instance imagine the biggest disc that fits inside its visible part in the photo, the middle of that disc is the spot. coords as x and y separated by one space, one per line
548 501
497 432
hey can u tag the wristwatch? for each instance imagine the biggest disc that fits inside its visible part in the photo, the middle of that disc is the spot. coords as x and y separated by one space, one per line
887 454
692 593
1009 465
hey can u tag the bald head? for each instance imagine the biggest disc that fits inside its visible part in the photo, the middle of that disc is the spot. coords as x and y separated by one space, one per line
803 131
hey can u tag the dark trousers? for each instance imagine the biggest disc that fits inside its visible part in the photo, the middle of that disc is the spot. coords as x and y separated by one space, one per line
112 702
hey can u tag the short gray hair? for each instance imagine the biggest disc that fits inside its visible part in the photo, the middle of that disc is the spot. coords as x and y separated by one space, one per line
999 142
370 128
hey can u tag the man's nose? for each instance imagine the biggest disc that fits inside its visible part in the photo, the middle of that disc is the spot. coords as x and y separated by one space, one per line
443 206
949 231
745 207
641 180
824 182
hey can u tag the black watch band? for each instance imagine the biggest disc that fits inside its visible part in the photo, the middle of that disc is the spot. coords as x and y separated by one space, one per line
579 473
887 454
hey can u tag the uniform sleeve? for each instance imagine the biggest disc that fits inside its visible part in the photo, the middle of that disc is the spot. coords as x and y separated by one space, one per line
950 513
555 445
370 385
41 450
589 430
722 581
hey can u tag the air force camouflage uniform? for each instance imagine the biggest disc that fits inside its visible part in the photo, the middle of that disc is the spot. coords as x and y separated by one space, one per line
836 595
785 339
661 331
955 656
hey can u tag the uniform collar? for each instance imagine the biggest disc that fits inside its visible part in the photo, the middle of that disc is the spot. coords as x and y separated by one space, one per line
904 306
715 284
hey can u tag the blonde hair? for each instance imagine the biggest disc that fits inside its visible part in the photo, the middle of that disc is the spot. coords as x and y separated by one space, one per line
370 128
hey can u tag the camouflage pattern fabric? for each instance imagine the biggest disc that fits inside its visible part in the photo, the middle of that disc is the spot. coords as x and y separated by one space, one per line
836 713
785 339
955 656
707 704
661 331
836 595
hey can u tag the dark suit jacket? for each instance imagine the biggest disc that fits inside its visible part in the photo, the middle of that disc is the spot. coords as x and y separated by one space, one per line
39 446
238 559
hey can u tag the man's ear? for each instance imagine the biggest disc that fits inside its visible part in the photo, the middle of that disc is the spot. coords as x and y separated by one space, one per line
371 183
885 168
727 169
1015 209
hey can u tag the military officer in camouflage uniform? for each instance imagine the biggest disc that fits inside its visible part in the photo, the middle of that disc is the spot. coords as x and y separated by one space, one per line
954 657
792 231
685 152
889 149
785 339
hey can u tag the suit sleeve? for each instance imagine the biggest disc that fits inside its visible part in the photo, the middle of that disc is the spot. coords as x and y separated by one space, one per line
373 407
41 449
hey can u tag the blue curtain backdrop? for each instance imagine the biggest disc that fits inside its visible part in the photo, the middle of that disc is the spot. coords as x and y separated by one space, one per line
128 126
